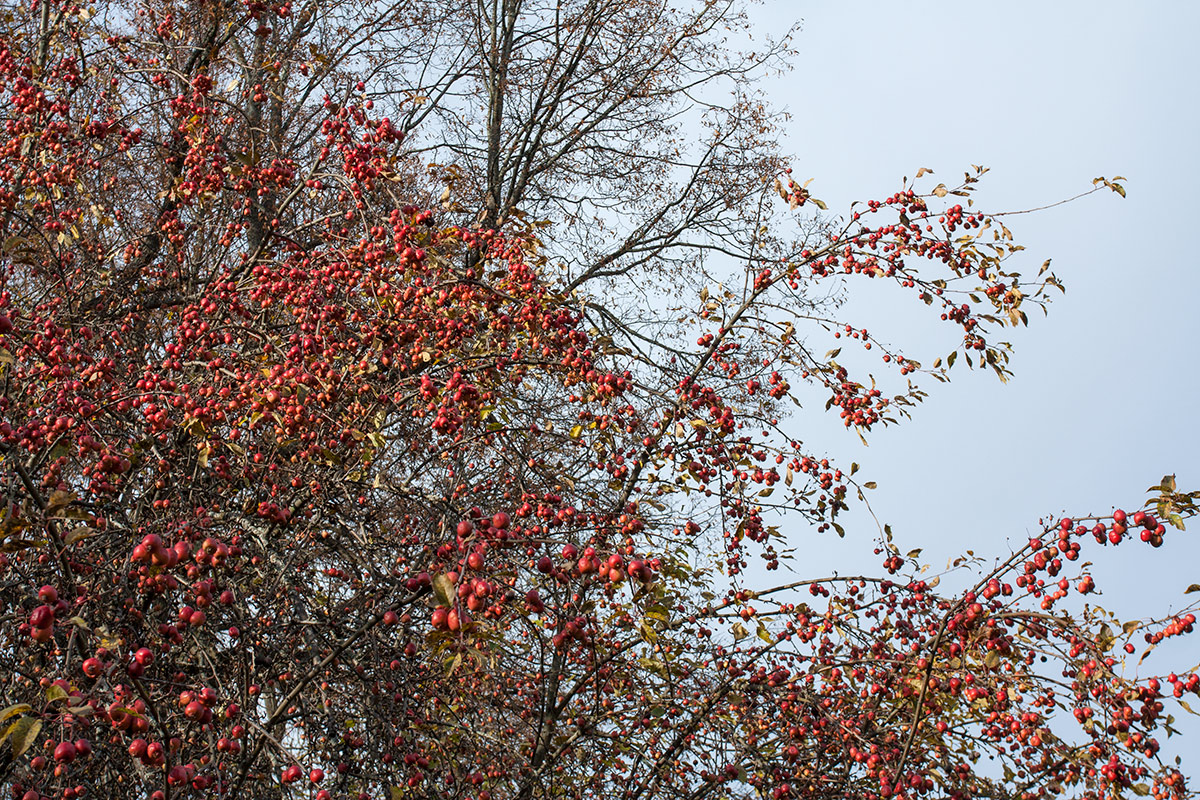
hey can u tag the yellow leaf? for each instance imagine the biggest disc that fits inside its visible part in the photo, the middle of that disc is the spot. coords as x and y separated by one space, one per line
19 708
22 732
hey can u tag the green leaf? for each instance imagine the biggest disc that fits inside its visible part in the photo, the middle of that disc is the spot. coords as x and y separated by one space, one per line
54 692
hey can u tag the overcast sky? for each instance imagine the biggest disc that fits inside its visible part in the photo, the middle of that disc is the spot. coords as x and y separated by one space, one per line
1049 95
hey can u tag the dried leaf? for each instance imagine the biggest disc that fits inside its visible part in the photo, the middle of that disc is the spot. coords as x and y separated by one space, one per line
79 534
443 589
58 501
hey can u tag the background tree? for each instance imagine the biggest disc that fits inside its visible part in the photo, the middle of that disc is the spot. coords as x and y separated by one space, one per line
312 490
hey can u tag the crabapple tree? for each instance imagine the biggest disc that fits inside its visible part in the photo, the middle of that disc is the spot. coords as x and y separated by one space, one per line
316 486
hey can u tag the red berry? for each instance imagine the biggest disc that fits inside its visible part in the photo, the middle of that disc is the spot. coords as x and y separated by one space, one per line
42 617
64 753
438 620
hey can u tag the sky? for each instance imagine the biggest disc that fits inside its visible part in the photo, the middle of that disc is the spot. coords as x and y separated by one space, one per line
1048 95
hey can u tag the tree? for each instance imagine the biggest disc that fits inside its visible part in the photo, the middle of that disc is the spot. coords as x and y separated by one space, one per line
318 484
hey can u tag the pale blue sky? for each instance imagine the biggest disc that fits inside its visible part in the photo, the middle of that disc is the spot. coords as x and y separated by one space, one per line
1048 95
